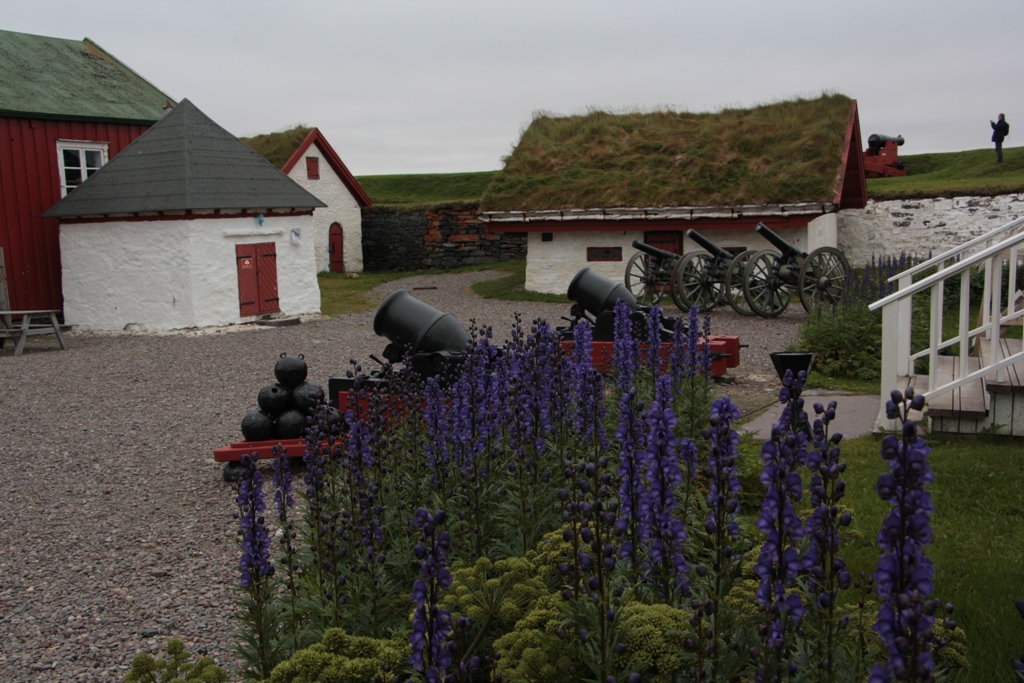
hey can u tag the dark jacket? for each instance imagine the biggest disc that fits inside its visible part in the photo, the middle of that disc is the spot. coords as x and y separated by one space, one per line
1000 129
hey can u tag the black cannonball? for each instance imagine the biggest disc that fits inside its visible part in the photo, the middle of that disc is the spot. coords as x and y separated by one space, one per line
290 370
307 395
257 426
291 424
334 418
275 399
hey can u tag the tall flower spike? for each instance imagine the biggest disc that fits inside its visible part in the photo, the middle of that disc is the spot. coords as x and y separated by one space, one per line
255 561
904 575
626 349
431 625
779 562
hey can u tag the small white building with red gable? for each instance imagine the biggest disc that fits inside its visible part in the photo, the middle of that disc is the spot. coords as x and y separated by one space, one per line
305 156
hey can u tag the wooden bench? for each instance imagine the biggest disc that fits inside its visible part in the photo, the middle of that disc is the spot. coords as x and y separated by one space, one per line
20 325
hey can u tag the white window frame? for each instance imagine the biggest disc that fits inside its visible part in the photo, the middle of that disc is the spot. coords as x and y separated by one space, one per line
81 146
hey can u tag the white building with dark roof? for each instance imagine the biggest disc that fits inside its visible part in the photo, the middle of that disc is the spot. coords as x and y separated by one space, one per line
187 227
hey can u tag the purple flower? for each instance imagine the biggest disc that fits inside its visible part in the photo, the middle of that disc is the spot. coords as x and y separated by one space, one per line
779 561
724 485
632 438
662 533
431 625
255 561
626 350
904 575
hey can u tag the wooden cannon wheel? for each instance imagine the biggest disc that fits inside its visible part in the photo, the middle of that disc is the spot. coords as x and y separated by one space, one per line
694 282
823 276
645 280
765 292
733 290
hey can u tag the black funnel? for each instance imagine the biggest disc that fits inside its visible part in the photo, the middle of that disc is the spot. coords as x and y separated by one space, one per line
792 360
407 321
597 293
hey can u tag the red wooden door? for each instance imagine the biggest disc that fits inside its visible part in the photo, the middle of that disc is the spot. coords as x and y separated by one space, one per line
337 249
257 278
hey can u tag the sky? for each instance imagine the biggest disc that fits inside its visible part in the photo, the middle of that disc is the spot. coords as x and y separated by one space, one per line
445 86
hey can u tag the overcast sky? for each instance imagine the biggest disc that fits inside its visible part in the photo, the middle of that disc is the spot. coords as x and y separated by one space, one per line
417 86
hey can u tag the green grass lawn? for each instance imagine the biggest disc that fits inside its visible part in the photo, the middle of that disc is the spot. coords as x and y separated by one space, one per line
978 546
954 174
424 189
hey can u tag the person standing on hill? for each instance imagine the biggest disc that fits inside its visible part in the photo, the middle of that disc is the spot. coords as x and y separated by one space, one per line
1000 129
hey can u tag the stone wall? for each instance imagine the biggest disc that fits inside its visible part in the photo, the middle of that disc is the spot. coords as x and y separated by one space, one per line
432 238
921 226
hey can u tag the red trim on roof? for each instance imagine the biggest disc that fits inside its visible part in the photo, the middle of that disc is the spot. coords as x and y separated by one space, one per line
186 216
851 187
635 224
334 160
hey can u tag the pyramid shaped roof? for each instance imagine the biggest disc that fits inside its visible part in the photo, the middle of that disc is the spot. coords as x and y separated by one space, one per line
185 162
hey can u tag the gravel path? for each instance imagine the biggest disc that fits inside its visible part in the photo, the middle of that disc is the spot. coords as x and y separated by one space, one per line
115 527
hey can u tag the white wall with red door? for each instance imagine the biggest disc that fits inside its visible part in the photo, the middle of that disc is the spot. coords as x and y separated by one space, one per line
344 253
197 271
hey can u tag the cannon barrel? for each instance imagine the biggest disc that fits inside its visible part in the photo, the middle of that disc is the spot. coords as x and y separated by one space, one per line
654 251
597 293
708 245
787 250
405 320
876 141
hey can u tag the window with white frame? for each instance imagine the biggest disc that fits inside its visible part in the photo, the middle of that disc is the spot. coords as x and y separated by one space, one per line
78 160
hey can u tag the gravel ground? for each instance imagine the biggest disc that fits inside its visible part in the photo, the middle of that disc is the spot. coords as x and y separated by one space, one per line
116 529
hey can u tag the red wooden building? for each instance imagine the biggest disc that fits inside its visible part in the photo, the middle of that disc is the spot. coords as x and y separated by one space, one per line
66 108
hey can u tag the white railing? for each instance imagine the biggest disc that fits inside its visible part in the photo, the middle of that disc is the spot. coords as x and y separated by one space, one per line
990 252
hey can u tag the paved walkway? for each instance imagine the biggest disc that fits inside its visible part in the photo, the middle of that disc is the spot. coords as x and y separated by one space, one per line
855 414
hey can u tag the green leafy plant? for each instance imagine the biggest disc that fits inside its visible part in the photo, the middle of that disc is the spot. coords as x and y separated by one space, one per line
177 668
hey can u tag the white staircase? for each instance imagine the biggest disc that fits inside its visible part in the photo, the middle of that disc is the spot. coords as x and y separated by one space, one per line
981 387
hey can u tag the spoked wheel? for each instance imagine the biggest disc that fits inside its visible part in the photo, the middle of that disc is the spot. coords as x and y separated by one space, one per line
766 294
694 283
823 277
733 290
643 279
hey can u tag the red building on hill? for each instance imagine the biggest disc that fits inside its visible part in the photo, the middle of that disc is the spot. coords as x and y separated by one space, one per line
66 108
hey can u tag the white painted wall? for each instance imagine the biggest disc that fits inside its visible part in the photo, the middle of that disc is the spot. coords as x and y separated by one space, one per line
342 208
177 274
550 266
920 226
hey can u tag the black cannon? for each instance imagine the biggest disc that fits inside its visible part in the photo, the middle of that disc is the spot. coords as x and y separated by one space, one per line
649 273
770 277
425 339
597 296
877 141
710 277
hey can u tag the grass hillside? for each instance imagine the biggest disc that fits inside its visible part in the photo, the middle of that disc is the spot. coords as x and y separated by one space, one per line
954 174
424 189
776 153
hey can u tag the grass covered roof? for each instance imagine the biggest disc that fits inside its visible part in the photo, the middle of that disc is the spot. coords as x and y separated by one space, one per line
278 147
786 152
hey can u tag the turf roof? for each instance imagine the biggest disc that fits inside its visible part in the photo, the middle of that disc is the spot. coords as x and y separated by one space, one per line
278 147
785 152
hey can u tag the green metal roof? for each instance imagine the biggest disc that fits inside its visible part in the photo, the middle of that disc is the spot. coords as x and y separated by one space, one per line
54 78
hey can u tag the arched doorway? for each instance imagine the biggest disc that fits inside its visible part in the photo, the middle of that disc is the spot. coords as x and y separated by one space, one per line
336 246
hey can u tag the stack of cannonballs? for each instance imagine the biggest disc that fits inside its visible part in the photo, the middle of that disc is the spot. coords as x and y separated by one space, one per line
285 404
